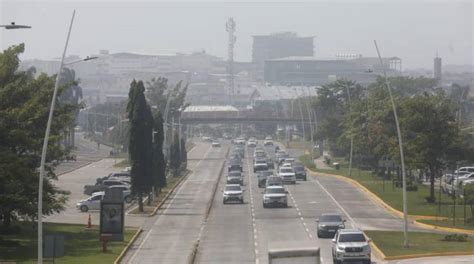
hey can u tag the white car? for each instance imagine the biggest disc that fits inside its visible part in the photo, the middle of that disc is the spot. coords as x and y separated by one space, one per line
275 195
216 144
251 144
233 192
127 193
350 245
287 174
286 165
91 203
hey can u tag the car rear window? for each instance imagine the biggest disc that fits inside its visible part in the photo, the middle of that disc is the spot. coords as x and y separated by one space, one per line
330 218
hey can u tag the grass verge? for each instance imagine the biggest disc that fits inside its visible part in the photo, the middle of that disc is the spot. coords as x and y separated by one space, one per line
122 164
81 246
391 243
449 223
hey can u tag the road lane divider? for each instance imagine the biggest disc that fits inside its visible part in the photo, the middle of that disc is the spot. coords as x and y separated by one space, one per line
195 248
301 218
252 211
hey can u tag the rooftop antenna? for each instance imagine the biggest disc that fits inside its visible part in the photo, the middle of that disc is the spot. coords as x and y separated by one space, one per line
230 28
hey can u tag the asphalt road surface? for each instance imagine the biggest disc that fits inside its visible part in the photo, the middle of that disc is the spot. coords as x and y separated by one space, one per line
243 233
172 234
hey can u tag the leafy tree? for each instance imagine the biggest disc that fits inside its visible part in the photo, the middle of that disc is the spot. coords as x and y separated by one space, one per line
140 146
24 108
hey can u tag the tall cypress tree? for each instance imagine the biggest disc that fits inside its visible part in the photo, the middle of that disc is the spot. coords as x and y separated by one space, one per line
175 159
140 145
159 164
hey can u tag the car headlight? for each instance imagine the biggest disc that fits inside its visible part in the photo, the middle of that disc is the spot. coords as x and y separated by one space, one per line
322 225
342 226
340 248
366 248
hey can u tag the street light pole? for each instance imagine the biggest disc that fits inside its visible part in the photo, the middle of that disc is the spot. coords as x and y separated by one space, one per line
400 144
45 148
352 136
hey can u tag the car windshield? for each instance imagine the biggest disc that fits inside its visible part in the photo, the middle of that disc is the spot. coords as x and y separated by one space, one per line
286 170
351 238
298 169
235 174
330 218
233 188
274 190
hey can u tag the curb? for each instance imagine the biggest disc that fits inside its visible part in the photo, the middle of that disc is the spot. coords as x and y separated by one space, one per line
377 251
376 198
427 255
443 228
168 194
73 169
127 247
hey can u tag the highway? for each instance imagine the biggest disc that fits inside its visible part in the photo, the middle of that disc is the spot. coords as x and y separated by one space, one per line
242 233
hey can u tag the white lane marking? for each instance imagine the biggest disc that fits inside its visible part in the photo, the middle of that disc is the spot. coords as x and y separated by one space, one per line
254 230
299 214
354 223
166 209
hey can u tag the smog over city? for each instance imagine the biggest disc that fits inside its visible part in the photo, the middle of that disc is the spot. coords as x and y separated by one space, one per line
269 131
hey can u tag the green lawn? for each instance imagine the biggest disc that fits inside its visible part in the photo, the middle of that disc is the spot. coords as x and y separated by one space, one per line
449 223
391 243
393 196
80 246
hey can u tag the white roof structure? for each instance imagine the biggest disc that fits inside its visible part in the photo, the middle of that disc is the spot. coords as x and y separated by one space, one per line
210 108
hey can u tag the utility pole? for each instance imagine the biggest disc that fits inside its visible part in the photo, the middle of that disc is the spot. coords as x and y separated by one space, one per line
230 28
352 137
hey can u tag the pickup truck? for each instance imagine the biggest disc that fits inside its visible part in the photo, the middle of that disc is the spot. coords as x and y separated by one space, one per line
98 187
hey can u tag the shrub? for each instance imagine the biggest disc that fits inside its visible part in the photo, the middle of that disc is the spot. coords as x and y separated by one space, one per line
456 238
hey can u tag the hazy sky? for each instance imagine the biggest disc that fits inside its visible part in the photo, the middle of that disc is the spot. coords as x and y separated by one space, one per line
413 30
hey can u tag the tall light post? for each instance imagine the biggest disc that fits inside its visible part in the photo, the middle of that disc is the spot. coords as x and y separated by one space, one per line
400 144
45 148
352 136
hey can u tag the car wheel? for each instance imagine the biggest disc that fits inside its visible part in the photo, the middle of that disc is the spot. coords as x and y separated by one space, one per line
223 201
84 208
264 205
242 201
319 234
128 199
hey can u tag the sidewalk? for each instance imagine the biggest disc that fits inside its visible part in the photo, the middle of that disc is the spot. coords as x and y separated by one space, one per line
320 164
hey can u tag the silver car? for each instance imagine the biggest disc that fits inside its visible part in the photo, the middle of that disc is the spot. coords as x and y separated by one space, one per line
350 245
91 203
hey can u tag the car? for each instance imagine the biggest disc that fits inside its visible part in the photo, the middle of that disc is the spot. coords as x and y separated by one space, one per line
235 177
206 139
260 165
234 167
259 154
273 181
465 169
89 189
300 172
233 192
329 223
251 144
282 157
268 143
287 175
350 245
270 163
91 203
286 165
120 176
216 144
239 142
268 138
262 178
275 195
127 193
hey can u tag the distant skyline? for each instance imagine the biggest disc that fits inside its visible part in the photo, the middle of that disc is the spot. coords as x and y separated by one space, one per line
413 30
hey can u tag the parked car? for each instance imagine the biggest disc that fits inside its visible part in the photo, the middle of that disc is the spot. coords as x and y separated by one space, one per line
350 245
127 193
91 203
329 223
233 192
262 178
120 176
89 189
287 175
275 195
465 169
